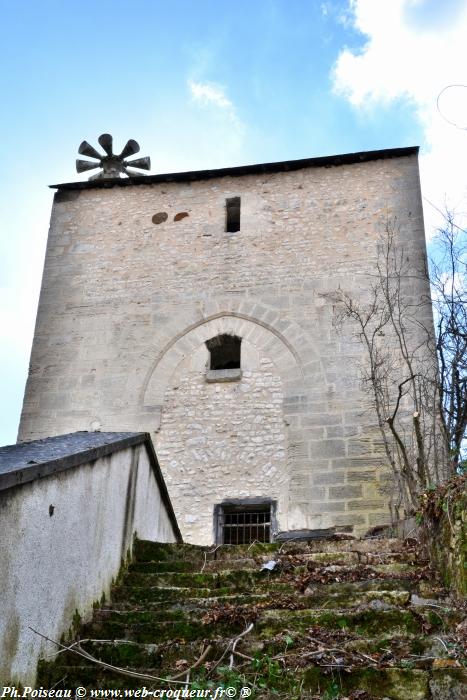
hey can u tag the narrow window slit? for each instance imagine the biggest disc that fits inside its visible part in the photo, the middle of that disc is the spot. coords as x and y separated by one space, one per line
232 218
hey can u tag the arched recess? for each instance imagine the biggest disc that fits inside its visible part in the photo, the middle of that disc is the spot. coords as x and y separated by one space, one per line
264 336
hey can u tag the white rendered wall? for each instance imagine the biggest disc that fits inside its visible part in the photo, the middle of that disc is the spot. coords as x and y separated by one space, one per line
55 565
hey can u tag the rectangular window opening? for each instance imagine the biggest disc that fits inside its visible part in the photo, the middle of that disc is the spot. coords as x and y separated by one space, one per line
243 524
224 352
232 217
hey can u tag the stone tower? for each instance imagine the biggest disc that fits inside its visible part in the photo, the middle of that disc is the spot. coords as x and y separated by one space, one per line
194 306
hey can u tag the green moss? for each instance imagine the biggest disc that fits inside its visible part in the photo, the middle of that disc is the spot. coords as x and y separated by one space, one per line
445 524
10 640
398 684
160 567
448 683
164 596
127 654
76 623
395 683
154 551
363 623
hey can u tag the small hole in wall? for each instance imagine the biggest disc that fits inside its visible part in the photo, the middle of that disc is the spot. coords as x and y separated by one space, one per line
160 217
181 215
51 510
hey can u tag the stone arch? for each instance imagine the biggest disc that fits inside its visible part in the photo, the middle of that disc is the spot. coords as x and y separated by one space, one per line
262 334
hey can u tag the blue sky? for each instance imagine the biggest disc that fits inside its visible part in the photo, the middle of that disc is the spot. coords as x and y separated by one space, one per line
210 84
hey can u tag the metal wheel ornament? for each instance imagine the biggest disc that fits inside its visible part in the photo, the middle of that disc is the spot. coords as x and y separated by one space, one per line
112 165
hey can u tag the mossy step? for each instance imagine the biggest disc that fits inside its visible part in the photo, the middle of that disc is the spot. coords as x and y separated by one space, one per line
300 564
134 595
316 599
344 557
187 566
90 676
206 597
383 584
150 627
414 649
145 594
150 632
190 602
324 558
153 551
194 566
242 579
136 656
144 550
346 600
325 545
153 626
142 595
394 683
389 683
367 622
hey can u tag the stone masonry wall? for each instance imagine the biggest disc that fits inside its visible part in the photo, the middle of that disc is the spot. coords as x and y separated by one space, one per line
212 431
127 305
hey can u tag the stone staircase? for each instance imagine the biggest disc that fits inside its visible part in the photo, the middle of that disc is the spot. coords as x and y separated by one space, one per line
335 618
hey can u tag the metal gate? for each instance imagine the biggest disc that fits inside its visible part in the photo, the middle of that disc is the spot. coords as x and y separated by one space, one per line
243 524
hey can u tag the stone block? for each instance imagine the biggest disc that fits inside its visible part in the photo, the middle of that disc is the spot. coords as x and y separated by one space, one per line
327 478
360 475
326 448
366 504
327 506
316 493
345 491
379 518
334 431
359 448
322 419
350 519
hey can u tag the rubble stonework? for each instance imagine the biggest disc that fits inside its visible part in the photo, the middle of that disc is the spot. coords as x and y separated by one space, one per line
132 291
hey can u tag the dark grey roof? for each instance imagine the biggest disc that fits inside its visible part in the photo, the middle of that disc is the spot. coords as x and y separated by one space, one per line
259 168
27 461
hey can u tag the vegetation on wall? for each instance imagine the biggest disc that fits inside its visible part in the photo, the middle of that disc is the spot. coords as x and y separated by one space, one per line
443 515
448 277
416 380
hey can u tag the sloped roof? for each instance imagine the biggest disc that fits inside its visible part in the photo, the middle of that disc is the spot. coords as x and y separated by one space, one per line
259 168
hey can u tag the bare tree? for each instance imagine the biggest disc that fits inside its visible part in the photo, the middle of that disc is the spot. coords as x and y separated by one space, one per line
448 274
394 323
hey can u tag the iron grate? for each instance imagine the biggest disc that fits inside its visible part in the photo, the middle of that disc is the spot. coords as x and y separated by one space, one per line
243 525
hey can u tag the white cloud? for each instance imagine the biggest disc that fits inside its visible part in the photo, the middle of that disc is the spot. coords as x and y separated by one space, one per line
414 49
208 93
212 95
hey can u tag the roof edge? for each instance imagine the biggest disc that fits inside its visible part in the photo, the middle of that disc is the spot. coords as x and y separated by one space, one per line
21 474
236 171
